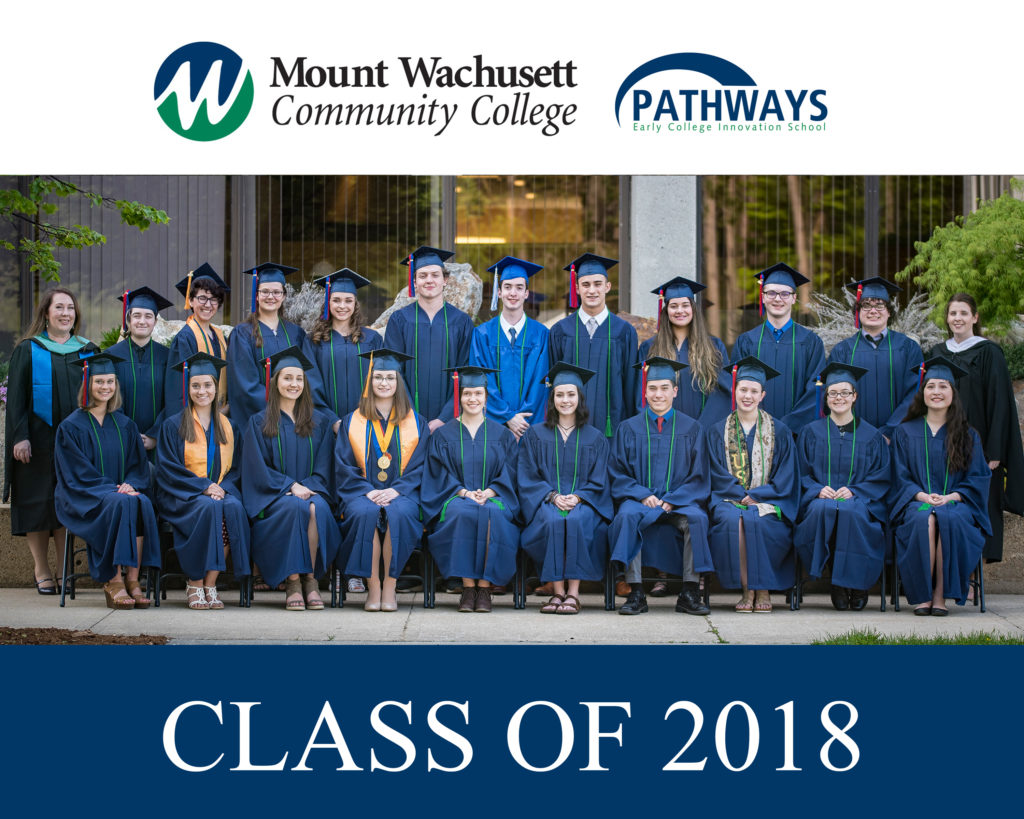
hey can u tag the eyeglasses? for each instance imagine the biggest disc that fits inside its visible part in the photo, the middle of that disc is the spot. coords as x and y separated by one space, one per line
777 295
839 393
385 379
204 300
873 306
271 294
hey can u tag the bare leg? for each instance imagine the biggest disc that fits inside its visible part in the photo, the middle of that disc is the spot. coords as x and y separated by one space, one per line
574 587
932 538
39 546
313 536
373 589
747 600
389 591
938 592
559 586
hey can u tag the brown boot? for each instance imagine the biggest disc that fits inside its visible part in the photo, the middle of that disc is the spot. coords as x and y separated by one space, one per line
483 599
468 600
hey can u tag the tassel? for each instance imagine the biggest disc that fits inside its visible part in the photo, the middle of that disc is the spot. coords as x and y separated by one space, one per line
760 299
643 387
85 385
255 284
547 384
661 305
817 397
369 375
327 301
920 377
735 369
188 292
124 310
266 379
573 300
494 293
458 408
412 287
856 315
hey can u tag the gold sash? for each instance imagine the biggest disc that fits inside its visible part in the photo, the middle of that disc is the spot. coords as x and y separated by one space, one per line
195 452
408 436
203 346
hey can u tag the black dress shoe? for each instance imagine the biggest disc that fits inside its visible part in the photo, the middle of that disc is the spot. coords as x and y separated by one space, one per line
923 611
409 585
689 601
47 590
840 599
453 585
636 603
939 612
858 599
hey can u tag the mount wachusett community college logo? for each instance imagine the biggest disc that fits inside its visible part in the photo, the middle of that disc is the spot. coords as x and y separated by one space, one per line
709 94
203 92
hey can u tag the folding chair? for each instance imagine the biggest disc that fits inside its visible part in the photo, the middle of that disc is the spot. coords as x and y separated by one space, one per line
68 580
245 583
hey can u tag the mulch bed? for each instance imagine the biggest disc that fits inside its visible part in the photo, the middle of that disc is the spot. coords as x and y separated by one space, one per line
65 637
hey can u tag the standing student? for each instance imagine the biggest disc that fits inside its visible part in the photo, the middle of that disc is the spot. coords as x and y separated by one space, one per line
985 389
338 340
263 334
659 481
755 492
889 358
844 468
42 385
790 349
142 372
940 493
431 331
204 293
683 336
102 473
594 339
516 347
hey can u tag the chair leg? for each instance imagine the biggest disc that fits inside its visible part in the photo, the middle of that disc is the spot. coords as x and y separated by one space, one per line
69 551
519 581
609 584
796 591
429 578
882 606
979 596
895 584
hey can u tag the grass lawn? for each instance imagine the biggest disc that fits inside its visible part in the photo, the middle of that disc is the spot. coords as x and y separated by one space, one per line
870 637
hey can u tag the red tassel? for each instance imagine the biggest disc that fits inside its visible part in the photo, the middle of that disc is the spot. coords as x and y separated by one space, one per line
573 299
661 305
412 290
458 409
760 300
85 385
643 387
920 377
735 369
124 310
266 376
856 316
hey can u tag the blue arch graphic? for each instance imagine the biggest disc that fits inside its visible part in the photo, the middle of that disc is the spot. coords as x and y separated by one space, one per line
722 71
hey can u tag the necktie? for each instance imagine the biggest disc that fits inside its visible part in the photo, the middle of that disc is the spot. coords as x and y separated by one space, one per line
592 326
512 336
661 419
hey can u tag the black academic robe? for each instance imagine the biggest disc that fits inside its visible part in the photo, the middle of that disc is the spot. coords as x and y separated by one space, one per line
708 408
198 520
435 346
671 465
987 395
92 460
183 346
569 545
468 539
769 539
342 373
613 393
792 397
849 529
919 465
142 376
355 477
38 399
885 392
280 520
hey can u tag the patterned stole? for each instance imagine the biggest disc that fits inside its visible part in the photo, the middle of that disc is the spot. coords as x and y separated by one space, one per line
198 453
408 436
751 472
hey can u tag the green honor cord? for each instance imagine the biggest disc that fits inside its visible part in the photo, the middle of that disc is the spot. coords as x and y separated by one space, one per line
280 451
558 468
792 370
135 380
416 347
741 440
892 387
483 474
671 452
853 451
928 467
288 341
522 353
608 380
99 446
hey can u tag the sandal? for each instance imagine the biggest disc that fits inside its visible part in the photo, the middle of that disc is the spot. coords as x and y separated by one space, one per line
117 597
551 607
46 590
195 597
293 588
570 605
212 598
311 592
763 603
745 606
135 590
259 584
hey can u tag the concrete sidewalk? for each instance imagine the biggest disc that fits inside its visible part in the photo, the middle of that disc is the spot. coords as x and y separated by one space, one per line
268 622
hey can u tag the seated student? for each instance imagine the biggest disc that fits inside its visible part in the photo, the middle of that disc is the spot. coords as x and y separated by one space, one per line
102 472
659 479
939 493
286 483
468 494
562 476
755 492
844 467
378 461
197 457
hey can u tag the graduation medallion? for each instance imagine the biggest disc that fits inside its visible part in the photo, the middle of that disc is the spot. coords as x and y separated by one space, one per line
382 476
384 461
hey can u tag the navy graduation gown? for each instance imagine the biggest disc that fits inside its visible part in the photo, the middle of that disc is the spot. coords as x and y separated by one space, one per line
770 562
851 529
691 401
247 386
197 520
518 386
142 376
638 469
341 372
792 397
468 539
360 515
92 460
183 346
888 387
435 345
962 526
613 394
280 520
569 545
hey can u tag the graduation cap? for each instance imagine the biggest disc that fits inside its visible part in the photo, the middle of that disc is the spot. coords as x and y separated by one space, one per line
874 288
749 369
779 273
384 360
508 269
269 272
589 264
95 364
289 357
939 367
676 288
657 368
141 298
836 373
565 373
424 256
198 364
468 375
204 271
340 281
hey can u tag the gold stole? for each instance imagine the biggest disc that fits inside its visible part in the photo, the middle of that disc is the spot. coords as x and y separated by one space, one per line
408 436
195 452
203 346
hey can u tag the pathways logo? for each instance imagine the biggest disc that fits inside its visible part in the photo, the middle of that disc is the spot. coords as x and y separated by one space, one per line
714 95
201 92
